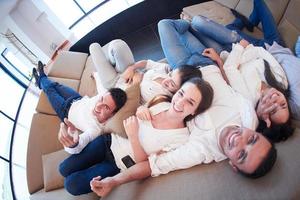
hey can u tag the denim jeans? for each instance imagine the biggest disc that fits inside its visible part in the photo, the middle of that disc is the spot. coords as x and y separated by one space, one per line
180 46
95 159
232 33
59 96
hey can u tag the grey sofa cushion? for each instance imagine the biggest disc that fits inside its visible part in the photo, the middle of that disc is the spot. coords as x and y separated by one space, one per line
61 194
218 181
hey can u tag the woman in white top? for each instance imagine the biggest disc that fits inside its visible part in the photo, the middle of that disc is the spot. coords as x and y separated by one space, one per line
158 78
155 77
254 72
167 130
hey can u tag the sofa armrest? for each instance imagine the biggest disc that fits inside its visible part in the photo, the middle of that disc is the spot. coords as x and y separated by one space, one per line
68 64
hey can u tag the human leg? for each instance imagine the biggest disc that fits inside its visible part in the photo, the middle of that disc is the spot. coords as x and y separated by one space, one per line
208 42
179 45
261 13
79 182
94 160
120 55
59 96
215 31
237 24
93 153
107 73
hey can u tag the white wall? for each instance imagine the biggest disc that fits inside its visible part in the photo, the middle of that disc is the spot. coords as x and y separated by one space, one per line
5 7
28 20
36 26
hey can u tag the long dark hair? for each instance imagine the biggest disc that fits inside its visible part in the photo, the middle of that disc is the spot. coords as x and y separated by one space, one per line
276 132
158 99
187 72
207 93
271 81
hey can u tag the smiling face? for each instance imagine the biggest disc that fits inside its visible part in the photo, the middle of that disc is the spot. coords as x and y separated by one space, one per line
186 100
173 82
280 114
104 107
245 148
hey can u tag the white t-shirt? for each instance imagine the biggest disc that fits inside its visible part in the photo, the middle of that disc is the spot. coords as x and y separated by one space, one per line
152 140
149 87
81 115
245 70
228 108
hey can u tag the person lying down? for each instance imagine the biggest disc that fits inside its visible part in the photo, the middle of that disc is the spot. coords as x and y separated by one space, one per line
225 130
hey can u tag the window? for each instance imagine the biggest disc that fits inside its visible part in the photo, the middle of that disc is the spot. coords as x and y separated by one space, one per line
85 15
5 188
17 68
14 124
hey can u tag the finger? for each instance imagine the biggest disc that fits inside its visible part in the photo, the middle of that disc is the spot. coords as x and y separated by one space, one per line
266 97
61 129
68 139
205 54
268 122
130 80
269 109
96 178
148 116
76 137
64 142
95 183
69 124
205 50
274 98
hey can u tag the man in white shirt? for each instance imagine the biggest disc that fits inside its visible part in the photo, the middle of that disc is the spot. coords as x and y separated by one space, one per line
84 114
226 130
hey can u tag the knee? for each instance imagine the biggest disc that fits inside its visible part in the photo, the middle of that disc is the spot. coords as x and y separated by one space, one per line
199 21
179 25
63 169
73 185
94 47
120 54
164 22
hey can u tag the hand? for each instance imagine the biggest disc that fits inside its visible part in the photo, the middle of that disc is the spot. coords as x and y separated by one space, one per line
211 53
68 134
137 78
102 187
244 43
128 74
267 105
131 127
143 113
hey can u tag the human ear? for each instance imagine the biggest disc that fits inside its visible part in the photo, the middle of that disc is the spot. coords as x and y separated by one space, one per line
235 169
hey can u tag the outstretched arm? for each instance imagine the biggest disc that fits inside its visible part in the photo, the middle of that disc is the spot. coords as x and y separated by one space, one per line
136 172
